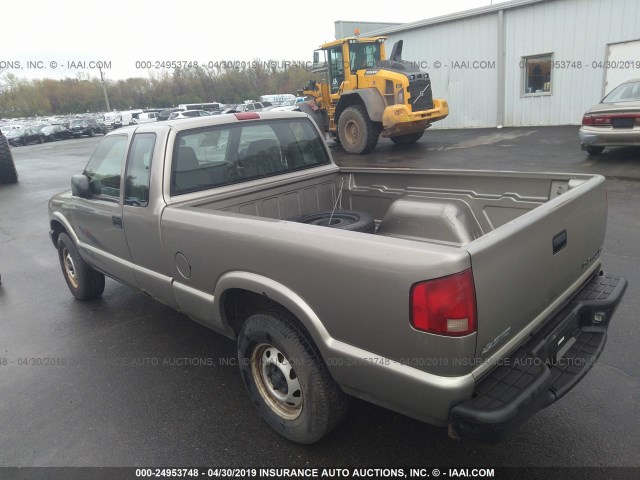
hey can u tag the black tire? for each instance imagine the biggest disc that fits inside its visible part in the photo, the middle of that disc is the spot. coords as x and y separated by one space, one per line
594 150
318 116
357 132
92 133
407 139
343 219
41 139
8 173
84 282
287 379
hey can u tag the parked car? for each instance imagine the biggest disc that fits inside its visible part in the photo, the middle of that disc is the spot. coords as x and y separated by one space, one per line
145 117
614 122
86 126
7 128
55 132
164 114
25 136
461 298
112 120
288 105
188 114
249 107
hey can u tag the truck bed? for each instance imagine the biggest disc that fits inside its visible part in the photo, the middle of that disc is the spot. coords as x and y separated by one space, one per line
413 205
501 220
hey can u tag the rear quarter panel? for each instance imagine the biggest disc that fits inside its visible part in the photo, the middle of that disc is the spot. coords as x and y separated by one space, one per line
357 284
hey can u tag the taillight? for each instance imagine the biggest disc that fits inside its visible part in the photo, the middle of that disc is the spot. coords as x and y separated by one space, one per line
596 120
606 119
445 306
587 120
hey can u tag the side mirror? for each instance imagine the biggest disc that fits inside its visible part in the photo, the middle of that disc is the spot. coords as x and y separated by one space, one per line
95 187
80 186
316 57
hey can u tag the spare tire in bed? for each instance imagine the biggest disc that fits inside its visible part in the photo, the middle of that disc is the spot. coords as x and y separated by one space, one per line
342 219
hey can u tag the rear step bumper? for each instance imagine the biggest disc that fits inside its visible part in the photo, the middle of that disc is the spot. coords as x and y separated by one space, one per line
545 368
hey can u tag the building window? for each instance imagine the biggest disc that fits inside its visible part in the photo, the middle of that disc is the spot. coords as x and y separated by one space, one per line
537 74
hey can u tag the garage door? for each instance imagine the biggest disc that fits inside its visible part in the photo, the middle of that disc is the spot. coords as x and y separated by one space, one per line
622 63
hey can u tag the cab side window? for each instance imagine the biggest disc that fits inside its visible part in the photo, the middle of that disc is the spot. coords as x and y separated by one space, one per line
139 170
105 167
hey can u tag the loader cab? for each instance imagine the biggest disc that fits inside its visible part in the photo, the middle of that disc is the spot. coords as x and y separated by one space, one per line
343 58
363 55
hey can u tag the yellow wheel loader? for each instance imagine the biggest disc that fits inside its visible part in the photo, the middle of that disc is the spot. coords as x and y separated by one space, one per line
365 96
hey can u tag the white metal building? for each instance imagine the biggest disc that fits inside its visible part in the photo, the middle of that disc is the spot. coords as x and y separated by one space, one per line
524 62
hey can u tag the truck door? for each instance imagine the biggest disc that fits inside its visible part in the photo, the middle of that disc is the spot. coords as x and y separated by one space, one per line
141 213
98 219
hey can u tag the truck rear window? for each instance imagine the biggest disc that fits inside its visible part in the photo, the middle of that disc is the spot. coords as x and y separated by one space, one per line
239 152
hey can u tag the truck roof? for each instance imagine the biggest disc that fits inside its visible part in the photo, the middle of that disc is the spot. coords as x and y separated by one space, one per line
189 123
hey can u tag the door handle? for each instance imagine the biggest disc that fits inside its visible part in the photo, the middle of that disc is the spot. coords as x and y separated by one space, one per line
117 222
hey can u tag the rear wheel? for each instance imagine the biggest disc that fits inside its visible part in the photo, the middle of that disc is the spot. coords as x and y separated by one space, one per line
92 133
8 172
287 379
84 282
594 150
356 131
406 139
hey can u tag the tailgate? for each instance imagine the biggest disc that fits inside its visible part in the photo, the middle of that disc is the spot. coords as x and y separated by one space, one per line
523 267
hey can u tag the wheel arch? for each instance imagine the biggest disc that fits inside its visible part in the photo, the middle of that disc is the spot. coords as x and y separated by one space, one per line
241 294
59 224
369 98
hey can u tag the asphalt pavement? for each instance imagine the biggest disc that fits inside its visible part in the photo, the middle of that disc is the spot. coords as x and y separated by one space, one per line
125 381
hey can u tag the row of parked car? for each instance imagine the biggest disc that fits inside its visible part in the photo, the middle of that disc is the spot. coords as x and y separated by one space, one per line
20 135
63 128
247 106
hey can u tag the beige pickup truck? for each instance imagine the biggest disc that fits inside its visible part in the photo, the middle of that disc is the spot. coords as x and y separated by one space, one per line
465 299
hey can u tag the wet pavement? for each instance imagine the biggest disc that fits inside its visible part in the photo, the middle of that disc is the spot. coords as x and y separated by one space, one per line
125 381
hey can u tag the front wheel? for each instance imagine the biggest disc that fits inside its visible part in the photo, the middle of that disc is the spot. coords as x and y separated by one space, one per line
287 379
8 172
92 133
407 139
84 282
594 150
357 133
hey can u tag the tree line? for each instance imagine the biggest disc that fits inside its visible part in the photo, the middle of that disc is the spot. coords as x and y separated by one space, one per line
20 97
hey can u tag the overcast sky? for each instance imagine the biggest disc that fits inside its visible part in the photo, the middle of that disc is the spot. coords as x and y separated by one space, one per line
123 32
